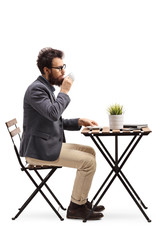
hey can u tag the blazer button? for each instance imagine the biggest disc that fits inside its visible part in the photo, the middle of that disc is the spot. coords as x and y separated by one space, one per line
60 139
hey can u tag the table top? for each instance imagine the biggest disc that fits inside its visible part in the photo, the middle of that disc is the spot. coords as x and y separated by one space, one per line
106 131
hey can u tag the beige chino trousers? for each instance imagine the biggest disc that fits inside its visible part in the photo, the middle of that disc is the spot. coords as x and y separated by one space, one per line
76 156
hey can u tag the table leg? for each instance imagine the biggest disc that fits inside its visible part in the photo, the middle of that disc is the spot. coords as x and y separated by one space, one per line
102 186
134 199
118 172
102 195
120 159
130 186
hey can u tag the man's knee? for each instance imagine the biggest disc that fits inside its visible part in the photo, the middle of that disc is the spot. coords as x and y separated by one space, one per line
94 164
90 163
91 151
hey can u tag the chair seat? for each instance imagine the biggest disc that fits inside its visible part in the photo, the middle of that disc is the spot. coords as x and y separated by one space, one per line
33 167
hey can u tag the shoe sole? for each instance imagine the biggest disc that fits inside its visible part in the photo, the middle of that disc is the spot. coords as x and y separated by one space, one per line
80 218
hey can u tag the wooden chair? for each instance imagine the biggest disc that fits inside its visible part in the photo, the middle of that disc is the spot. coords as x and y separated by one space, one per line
15 133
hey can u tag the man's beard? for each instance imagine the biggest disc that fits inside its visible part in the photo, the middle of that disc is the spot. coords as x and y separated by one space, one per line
54 81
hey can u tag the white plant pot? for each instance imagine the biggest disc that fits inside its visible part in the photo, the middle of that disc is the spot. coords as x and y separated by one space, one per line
116 121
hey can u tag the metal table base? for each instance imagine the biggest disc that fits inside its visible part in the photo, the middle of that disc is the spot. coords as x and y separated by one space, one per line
117 164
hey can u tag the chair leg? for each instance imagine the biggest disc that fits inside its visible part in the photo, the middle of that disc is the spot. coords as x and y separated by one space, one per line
48 188
38 189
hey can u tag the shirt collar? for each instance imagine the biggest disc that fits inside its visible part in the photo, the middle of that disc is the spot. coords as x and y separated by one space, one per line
48 83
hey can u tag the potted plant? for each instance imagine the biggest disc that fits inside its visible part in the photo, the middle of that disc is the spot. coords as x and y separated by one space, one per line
115 116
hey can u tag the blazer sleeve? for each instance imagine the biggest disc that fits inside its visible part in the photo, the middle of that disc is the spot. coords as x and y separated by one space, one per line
40 100
71 124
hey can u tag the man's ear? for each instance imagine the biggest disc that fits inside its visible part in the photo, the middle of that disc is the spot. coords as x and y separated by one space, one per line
46 70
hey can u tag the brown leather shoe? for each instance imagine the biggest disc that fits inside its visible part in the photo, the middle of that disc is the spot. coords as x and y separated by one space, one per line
99 208
81 212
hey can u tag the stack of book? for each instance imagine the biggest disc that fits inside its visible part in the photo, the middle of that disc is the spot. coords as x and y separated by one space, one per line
135 126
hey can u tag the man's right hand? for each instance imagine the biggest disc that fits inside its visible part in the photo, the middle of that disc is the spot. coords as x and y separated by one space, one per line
66 85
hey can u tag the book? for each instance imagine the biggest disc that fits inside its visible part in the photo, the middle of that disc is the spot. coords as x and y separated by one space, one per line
94 127
135 126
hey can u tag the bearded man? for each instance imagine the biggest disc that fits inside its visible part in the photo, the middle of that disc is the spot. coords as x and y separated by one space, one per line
43 141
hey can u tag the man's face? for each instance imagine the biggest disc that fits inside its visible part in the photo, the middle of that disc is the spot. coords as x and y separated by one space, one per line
56 75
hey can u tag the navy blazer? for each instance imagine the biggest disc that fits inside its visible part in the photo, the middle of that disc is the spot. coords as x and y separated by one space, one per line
43 125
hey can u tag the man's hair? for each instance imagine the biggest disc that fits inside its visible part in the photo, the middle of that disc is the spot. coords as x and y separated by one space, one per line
46 56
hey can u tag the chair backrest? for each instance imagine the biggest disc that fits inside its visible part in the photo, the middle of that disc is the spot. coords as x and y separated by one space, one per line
14 131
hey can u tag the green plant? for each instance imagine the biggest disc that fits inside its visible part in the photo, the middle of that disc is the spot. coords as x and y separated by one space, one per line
115 109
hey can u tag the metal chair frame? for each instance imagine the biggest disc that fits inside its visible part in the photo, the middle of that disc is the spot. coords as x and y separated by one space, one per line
28 168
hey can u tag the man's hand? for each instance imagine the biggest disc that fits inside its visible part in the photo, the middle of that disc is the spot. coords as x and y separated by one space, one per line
66 85
86 122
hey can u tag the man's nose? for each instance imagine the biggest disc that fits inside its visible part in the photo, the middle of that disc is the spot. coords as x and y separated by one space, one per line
63 71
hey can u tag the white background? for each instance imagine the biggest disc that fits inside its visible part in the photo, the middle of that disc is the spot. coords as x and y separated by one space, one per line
113 49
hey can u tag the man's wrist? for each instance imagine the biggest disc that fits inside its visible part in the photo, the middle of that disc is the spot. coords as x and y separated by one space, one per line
63 91
80 122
